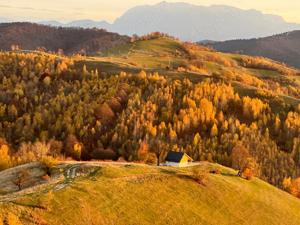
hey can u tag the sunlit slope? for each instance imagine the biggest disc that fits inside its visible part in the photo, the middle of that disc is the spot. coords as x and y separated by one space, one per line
154 53
256 77
149 195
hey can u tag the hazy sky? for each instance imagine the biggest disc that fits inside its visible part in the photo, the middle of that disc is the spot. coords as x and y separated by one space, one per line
66 10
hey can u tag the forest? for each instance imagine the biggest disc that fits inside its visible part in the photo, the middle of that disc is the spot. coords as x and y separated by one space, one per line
49 107
73 40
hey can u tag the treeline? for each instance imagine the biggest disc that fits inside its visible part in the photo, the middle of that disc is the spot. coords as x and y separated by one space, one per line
267 64
30 36
151 36
245 69
48 107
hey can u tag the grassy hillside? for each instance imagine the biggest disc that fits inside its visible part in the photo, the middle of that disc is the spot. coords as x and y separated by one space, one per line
138 194
44 99
136 102
154 53
180 60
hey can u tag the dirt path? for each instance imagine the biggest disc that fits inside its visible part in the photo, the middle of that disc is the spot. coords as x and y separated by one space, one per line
68 171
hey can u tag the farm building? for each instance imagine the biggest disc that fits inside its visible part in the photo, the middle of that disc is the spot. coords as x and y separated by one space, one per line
177 159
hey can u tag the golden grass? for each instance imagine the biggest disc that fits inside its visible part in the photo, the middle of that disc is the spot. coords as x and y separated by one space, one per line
149 195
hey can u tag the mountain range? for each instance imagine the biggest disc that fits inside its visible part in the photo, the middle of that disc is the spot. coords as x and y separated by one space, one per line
79 23
191 22
282 47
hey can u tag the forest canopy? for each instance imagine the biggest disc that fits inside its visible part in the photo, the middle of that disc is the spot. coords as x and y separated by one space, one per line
50 107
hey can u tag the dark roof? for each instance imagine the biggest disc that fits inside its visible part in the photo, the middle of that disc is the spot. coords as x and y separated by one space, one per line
174 156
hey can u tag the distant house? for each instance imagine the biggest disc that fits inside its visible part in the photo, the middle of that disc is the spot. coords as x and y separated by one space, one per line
177 159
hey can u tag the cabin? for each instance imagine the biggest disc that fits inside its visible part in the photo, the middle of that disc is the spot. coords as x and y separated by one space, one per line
179 159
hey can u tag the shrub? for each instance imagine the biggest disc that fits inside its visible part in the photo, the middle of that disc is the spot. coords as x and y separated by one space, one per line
200 176
248 174
48 162
293 187
215 171
46 177
151 158
21 178
286 184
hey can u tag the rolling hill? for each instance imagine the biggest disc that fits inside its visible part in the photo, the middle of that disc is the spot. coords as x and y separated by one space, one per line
242 91
177 59
30 36
139 194
151 94
282 47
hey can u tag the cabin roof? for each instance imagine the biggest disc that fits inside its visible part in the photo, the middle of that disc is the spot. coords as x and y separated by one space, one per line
174 156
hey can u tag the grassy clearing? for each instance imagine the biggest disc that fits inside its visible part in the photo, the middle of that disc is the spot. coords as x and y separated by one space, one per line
264 73
156 53
148 195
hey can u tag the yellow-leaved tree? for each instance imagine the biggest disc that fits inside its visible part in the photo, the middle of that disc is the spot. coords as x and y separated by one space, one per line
5 159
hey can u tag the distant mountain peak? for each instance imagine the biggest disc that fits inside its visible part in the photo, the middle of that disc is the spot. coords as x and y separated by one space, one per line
191 22
195 22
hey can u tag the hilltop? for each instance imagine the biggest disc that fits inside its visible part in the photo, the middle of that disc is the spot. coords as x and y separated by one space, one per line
140 194
282 47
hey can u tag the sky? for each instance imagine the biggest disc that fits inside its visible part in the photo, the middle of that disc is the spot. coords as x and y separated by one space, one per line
109 10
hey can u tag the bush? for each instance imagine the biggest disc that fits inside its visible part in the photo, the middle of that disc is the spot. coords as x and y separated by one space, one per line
21 178
215 171
151 158
248 174
200 176
46 177
48 162
293 187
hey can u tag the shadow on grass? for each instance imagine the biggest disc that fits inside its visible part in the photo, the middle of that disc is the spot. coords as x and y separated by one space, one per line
30 205
178 175
229 175
78 189
169 172
92 175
